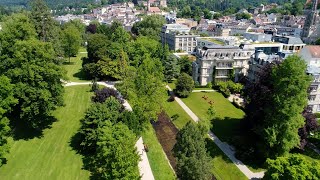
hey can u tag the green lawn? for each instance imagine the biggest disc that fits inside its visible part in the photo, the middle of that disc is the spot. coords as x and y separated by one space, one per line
227 116
157 159
73 68
173 108
223 168
51 156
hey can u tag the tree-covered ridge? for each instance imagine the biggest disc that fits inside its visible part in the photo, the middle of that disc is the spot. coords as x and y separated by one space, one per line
51 3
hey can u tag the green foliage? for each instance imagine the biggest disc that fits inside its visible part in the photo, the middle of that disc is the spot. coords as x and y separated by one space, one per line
193 161
292 167
97 116
171 68
148 87
283 116
229 87
71 41
6 100
184 85
17 27
150 26
185 65
32 69
243 16
116 156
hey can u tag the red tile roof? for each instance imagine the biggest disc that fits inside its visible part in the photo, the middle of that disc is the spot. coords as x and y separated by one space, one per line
314 51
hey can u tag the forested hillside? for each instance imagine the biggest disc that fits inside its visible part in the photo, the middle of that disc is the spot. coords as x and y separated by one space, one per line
51 3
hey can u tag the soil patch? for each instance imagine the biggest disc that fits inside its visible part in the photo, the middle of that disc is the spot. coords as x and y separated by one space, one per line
166 133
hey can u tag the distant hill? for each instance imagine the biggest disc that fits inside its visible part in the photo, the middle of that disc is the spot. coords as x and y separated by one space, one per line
51 3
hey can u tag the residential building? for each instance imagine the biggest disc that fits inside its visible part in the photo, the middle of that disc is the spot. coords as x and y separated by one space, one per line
257 61
178 37
216 60
258 37
290 45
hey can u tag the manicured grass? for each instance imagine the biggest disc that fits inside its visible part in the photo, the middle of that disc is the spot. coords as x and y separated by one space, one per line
157 159
173 108
227 116
51 156
73 68
223 168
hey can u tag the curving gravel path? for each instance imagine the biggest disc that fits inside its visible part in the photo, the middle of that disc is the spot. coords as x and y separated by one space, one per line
226 148
144 166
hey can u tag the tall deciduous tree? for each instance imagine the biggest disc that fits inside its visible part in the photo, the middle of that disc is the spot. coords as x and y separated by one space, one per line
184 85
150 26
6 101
274 112
97 116
283 116
36 77
117 156
71 41
193 161
292 167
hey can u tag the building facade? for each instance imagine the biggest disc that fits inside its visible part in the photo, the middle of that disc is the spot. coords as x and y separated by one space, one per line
178 37
218 62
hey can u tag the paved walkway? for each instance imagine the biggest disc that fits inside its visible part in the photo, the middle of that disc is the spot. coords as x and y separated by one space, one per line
226 148
144 166
204 90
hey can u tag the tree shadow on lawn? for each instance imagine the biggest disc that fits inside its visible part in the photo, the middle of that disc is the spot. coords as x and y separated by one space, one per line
88 159
225 128
215 151
80 75
22 130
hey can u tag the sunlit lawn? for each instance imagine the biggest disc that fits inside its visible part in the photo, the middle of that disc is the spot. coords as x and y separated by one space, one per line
51 156
223 168
73 68
227 116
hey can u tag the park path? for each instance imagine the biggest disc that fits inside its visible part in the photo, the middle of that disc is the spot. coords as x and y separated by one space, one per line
226 148
144 166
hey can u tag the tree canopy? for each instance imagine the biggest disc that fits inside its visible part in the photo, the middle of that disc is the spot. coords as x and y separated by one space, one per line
274 112
193 161
292 167
184 85
150 26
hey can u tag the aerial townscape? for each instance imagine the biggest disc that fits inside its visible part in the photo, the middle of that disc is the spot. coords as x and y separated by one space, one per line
159 89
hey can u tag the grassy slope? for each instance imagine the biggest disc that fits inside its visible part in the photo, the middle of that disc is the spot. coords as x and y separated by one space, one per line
51 157
157 159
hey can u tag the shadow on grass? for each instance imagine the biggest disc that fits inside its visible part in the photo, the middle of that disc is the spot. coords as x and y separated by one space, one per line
88 159
225 128
214 150
23 130
68 63
81 75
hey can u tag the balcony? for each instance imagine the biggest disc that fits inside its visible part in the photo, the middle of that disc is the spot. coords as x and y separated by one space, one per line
224 67
222 76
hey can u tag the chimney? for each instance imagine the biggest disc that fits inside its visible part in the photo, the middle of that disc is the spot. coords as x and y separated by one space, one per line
257 53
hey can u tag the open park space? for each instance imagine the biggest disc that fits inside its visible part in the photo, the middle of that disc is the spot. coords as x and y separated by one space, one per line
223 168
227 116
51 156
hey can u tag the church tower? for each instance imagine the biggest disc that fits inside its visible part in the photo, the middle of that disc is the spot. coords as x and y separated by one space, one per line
310 22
